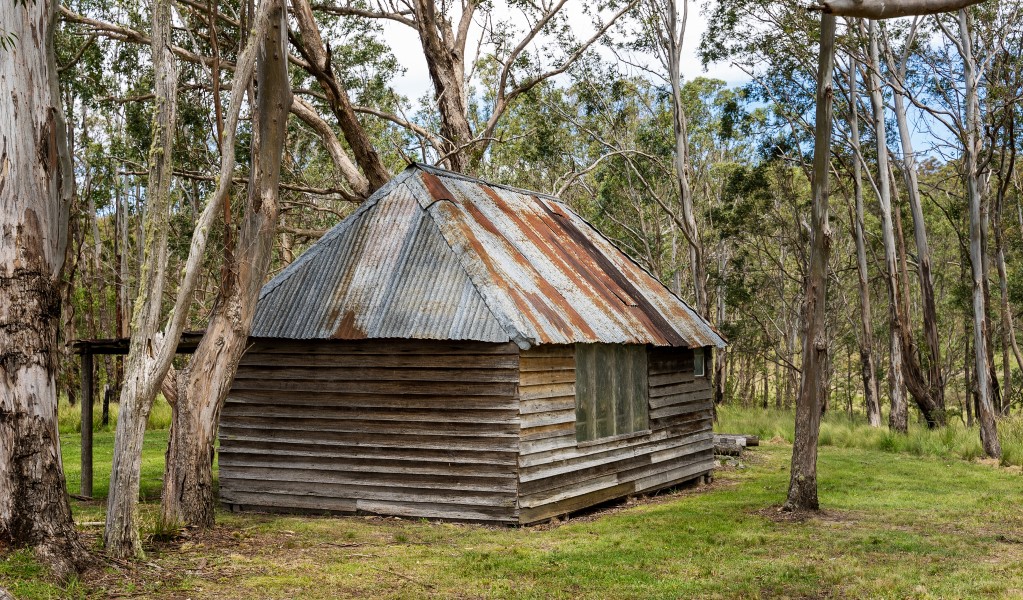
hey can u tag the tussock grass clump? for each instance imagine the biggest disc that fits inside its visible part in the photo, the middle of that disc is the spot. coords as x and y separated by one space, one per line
840 431
69 418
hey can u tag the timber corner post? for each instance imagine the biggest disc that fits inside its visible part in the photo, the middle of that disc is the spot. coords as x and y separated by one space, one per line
85 487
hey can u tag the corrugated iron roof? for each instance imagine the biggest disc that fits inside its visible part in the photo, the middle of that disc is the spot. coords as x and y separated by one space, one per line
437 255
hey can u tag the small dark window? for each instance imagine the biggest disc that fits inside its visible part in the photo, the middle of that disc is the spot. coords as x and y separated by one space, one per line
610 390
698 359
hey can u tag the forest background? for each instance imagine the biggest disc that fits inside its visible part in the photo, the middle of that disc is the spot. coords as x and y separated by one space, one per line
176 218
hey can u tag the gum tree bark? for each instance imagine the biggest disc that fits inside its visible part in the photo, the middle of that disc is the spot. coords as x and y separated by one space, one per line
898 418
204 383
813 387
673 28
935 385
887 9
150 352
981 332
36 180
866 340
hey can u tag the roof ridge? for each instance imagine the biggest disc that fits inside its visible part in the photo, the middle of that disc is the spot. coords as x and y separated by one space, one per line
502 319
461 176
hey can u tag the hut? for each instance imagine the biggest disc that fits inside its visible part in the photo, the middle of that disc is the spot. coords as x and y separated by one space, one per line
463 350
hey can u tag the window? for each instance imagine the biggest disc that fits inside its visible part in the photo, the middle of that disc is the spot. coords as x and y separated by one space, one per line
610 390
698 359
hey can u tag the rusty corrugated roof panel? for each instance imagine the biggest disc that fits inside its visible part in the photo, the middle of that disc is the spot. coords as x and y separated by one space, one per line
435 255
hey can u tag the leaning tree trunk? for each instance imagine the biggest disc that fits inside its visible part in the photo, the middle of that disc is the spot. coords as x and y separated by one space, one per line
36 180
866 340
145 364
935 382
150 354
898 417
204 383
981 332
813 389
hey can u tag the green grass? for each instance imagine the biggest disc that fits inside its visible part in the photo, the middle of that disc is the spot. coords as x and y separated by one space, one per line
895 526
69 418
956 441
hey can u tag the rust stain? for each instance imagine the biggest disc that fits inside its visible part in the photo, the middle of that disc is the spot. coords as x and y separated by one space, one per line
436 187
348 330
554 252
651 316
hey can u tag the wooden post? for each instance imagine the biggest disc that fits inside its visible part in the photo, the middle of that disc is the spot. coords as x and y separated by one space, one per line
86 484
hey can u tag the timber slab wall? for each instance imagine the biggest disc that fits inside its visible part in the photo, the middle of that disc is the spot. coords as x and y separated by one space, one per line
558 475
452 430
391 427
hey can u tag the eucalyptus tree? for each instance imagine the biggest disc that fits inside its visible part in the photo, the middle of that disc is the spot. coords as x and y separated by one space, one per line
152 348
455 37
36 184
203 385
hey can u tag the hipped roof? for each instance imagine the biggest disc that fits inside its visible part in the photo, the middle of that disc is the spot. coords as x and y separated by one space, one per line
437 255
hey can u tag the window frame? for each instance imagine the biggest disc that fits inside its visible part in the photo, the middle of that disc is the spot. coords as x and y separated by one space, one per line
612 392
702 353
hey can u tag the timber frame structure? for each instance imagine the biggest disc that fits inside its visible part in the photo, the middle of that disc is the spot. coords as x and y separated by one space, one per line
88 349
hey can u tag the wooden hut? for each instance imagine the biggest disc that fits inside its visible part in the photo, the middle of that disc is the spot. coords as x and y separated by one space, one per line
464 350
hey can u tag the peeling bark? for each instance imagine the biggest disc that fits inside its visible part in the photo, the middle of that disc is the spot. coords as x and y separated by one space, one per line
981 334
36 182
203 385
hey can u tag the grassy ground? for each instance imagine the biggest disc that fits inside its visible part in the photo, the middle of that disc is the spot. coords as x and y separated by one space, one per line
895 526
954 441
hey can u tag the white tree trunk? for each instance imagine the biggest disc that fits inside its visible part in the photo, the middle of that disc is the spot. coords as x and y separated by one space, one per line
150 354
898 417
981 332
36 182
205 382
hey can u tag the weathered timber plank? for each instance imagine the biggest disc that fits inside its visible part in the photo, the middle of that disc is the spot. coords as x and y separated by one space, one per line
670 379
547 431
548 418
343 452
547 405
699 395
679 388
576 476
278 502
402 494
528 363
413 443
446 482
557 390
430 388
360 413
673 477
529 378
678 409
364 465
559 350
408 376
529 516
445 512
430 428
321 397
567 464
